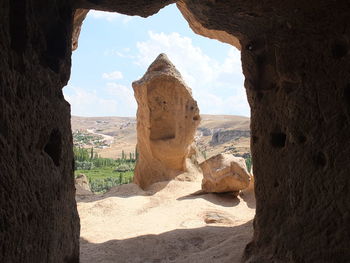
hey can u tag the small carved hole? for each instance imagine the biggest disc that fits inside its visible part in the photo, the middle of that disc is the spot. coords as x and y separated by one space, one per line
54 146
340 49
347 94
278 139
260 96
3 129
301 139
320 159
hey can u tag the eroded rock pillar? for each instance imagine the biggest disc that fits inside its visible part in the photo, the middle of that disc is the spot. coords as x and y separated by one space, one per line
167 119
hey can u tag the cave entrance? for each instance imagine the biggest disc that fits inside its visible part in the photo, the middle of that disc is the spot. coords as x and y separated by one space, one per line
115 50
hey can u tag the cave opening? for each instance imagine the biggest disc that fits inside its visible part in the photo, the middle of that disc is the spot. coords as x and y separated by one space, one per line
104 135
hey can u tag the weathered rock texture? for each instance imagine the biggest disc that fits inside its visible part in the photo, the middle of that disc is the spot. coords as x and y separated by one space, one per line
83 182
167 119
38 216
79 16
224 173
295 57
223 136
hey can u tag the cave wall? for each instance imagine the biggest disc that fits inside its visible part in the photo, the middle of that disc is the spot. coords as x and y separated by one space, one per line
295 58
38 215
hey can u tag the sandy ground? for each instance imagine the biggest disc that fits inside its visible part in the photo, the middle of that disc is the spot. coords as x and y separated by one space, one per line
166 223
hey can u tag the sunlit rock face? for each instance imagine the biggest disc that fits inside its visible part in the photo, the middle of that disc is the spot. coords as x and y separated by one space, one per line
295 58
224 173
167 119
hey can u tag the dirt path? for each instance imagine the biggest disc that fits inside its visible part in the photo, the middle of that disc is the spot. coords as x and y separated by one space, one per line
164 224
109 139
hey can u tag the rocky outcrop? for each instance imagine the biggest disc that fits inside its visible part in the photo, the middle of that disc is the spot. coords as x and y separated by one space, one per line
198 27
224 173
204 131
167 119
223 136
79 16
82 186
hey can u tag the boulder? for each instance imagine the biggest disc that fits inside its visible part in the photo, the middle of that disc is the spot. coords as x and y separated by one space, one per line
167 119
82 186
224 173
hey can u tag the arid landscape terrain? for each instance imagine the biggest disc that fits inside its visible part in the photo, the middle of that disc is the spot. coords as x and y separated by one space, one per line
215 134
168 222
171 221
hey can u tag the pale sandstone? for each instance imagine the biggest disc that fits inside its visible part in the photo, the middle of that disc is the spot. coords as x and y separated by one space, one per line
167 119
82 186
224 173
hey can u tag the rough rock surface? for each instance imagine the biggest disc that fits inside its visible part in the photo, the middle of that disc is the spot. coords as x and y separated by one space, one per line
223 136
38 216
79 17
224 173
167 119
205 131
82 185
295 58
198 28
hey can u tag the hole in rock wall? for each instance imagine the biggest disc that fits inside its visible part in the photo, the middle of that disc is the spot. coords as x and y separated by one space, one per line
115 50
347 95
320 159
18 26
3 129
278 139
340 49
54 146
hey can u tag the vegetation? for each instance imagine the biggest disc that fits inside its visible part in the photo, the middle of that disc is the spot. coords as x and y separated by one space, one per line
104 173
248 161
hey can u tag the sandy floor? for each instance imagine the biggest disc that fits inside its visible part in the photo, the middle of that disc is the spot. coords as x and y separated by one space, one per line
164 224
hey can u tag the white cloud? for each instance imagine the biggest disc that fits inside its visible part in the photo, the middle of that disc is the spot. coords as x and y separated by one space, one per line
124 53
124 95
83 102
109 16
113 75
88 103
218 86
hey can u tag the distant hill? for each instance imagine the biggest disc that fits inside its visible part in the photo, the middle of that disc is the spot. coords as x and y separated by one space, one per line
216 133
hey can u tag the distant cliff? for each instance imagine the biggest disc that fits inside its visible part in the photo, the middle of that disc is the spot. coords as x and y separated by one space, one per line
222 136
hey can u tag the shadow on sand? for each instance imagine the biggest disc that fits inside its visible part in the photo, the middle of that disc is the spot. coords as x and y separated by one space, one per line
212 244
249 198
123 191
221 199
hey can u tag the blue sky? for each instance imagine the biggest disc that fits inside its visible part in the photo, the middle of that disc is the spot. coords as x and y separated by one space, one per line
115 50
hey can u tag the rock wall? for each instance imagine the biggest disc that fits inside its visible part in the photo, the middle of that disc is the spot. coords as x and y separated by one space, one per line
296 63
38 217
295 57
222 136
167 119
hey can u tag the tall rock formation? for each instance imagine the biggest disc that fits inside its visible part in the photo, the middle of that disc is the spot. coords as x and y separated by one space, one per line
167 119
